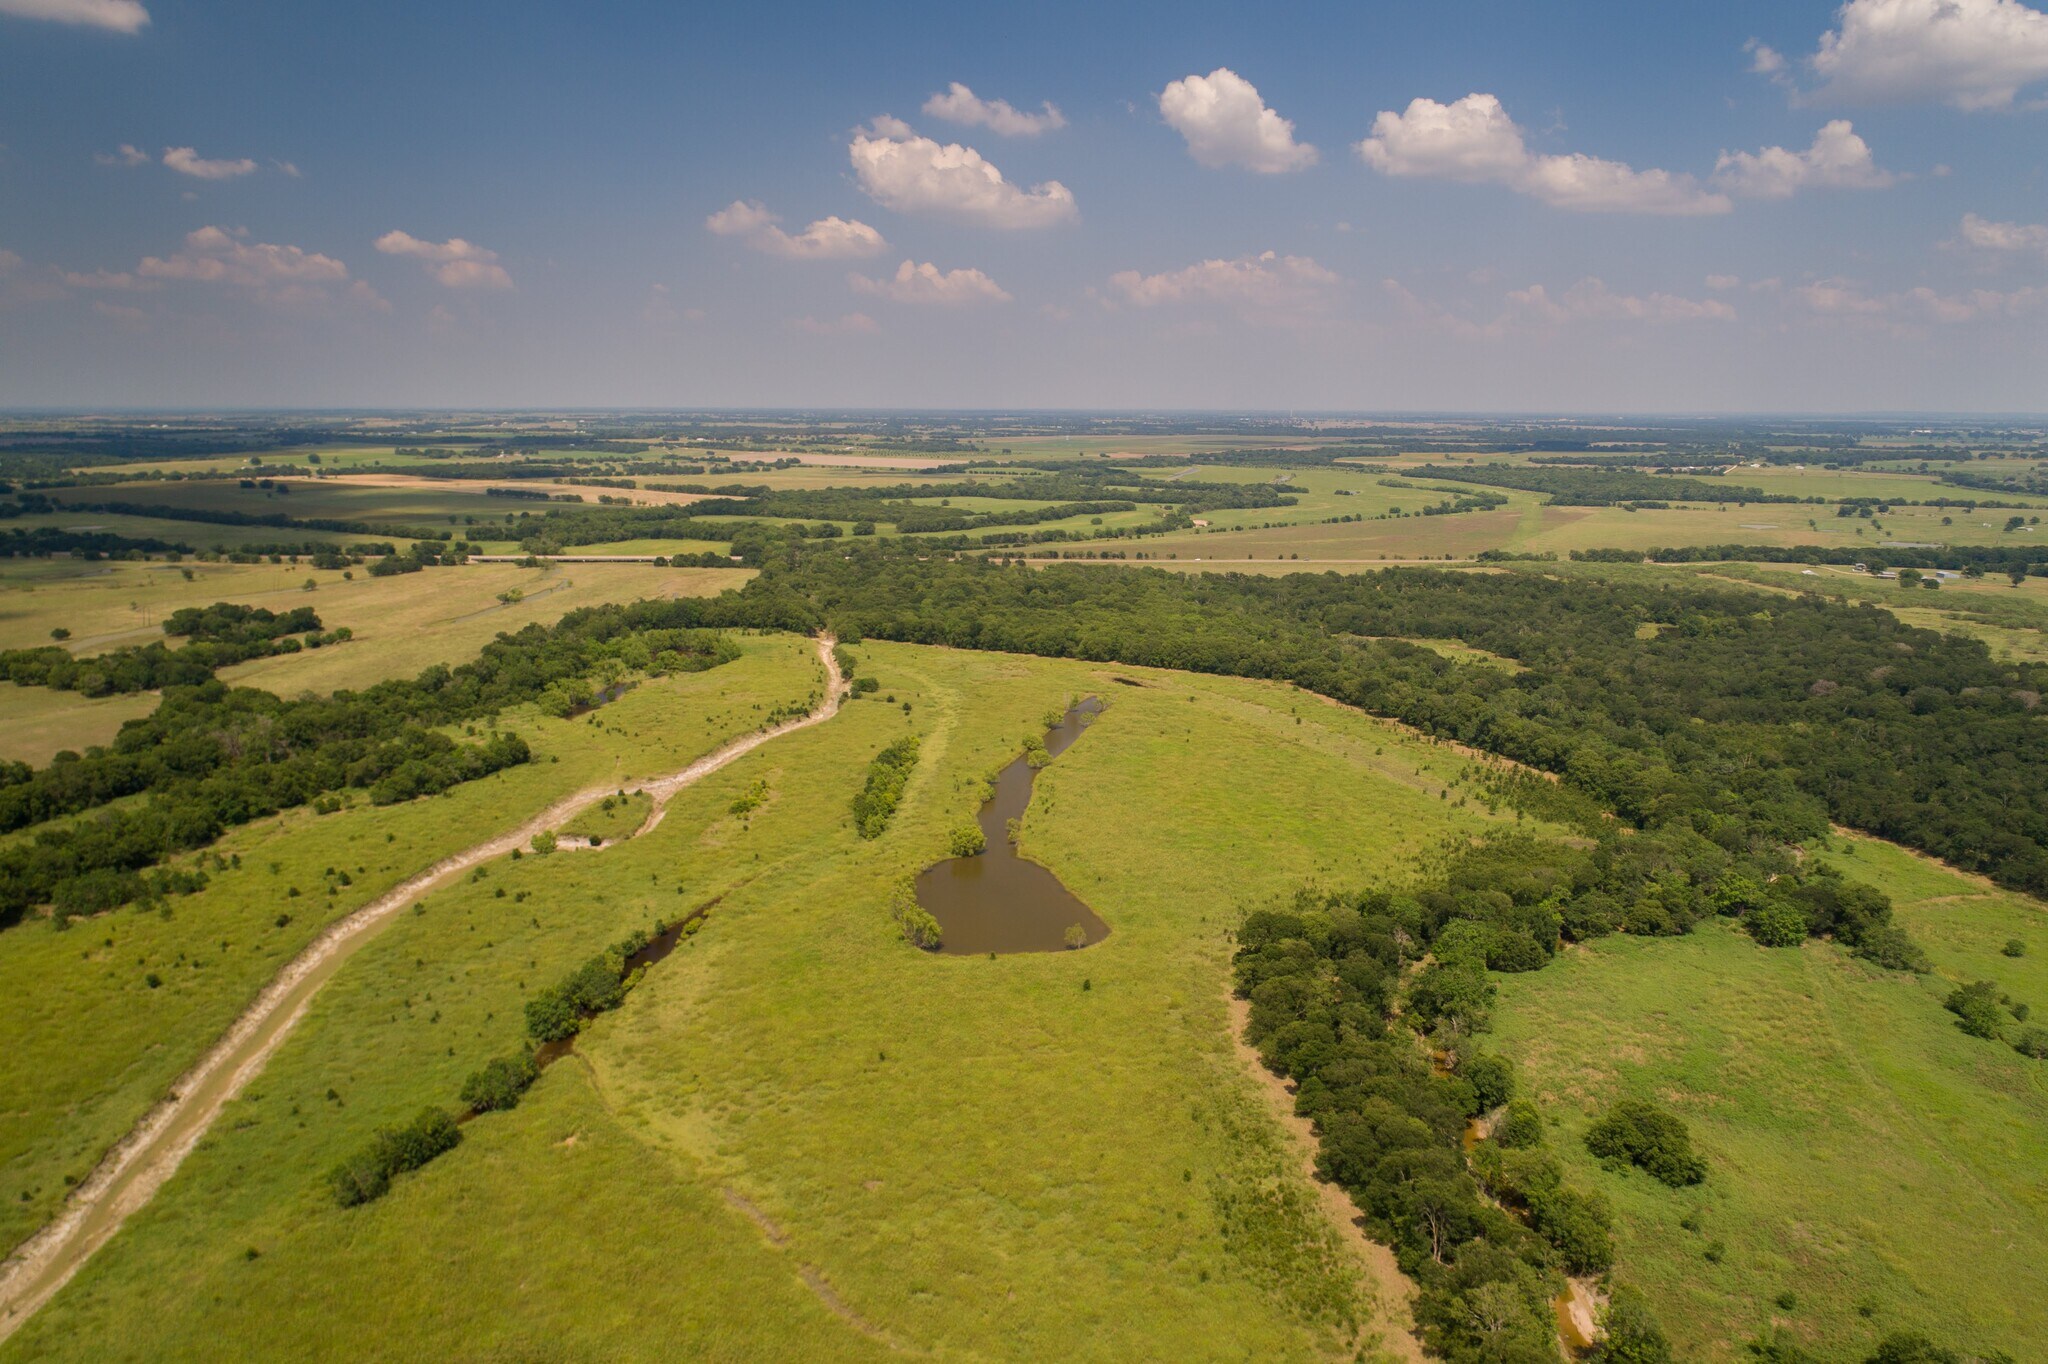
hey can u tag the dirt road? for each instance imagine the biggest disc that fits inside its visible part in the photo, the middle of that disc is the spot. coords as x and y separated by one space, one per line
131 1173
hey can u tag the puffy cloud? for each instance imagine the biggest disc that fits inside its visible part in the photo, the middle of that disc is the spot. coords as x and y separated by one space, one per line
848 324
739 219
267 271
960 105
127 156
1590 300
118 16
832 238
455 263
1227 124
186 161
1984 235
1721 284
213 255
1973 54
913 174
1473 140
9 261
926 283
1764 60
1267 282
1838 159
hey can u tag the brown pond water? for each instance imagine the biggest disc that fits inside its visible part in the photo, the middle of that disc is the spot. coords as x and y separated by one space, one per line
1000 901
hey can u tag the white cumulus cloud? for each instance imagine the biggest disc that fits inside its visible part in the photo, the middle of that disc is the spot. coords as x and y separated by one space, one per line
455 263
186 161
1473 140
1973 54
119 16
958 104
833 238
2009 238
926 283
1227 124
911 174
1838 159
1265 282
214 255
128 155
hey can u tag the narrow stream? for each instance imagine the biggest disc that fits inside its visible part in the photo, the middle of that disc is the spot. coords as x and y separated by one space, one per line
1001 901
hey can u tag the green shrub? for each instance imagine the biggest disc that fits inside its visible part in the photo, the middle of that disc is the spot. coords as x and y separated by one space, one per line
967 840
888 774
1776 924
1631 1333
1492 1079
500 1083
392 1151
1520 1127
1977 1009
1646 1135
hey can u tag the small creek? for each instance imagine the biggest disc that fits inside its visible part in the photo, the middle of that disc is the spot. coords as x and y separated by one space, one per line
1000 901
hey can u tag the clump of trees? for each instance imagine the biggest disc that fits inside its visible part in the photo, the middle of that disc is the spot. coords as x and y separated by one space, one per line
367 1175
888 774
920 929
1650 1137
597 986
221 635
501 1082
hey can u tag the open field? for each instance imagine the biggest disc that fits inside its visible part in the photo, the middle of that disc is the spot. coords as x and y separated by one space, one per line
37 723
867 1143
95 1043
1865 1156
402 624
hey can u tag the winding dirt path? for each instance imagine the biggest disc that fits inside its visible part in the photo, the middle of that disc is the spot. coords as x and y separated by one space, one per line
129 1175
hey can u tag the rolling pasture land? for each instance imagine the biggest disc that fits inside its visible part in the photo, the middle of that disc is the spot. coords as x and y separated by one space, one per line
800 1135
95 1042
403 624
1866 1158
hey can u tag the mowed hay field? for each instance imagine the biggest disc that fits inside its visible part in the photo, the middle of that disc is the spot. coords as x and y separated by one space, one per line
800 1138
1866 1157
93 1044
403 624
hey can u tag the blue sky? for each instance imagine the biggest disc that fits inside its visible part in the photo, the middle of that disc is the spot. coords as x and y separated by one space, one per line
1498 206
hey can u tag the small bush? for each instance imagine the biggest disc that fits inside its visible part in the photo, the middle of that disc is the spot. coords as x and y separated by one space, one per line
1647 1136
1520 1127
367 1175
968 840
500 1083
888 774
2015 948
1977 1009
1776 924
1492 1079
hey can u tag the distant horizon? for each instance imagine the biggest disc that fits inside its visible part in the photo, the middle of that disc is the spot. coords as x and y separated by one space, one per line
1815 207
838 409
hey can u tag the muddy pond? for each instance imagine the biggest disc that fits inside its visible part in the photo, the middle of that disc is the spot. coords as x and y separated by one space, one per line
1000 901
